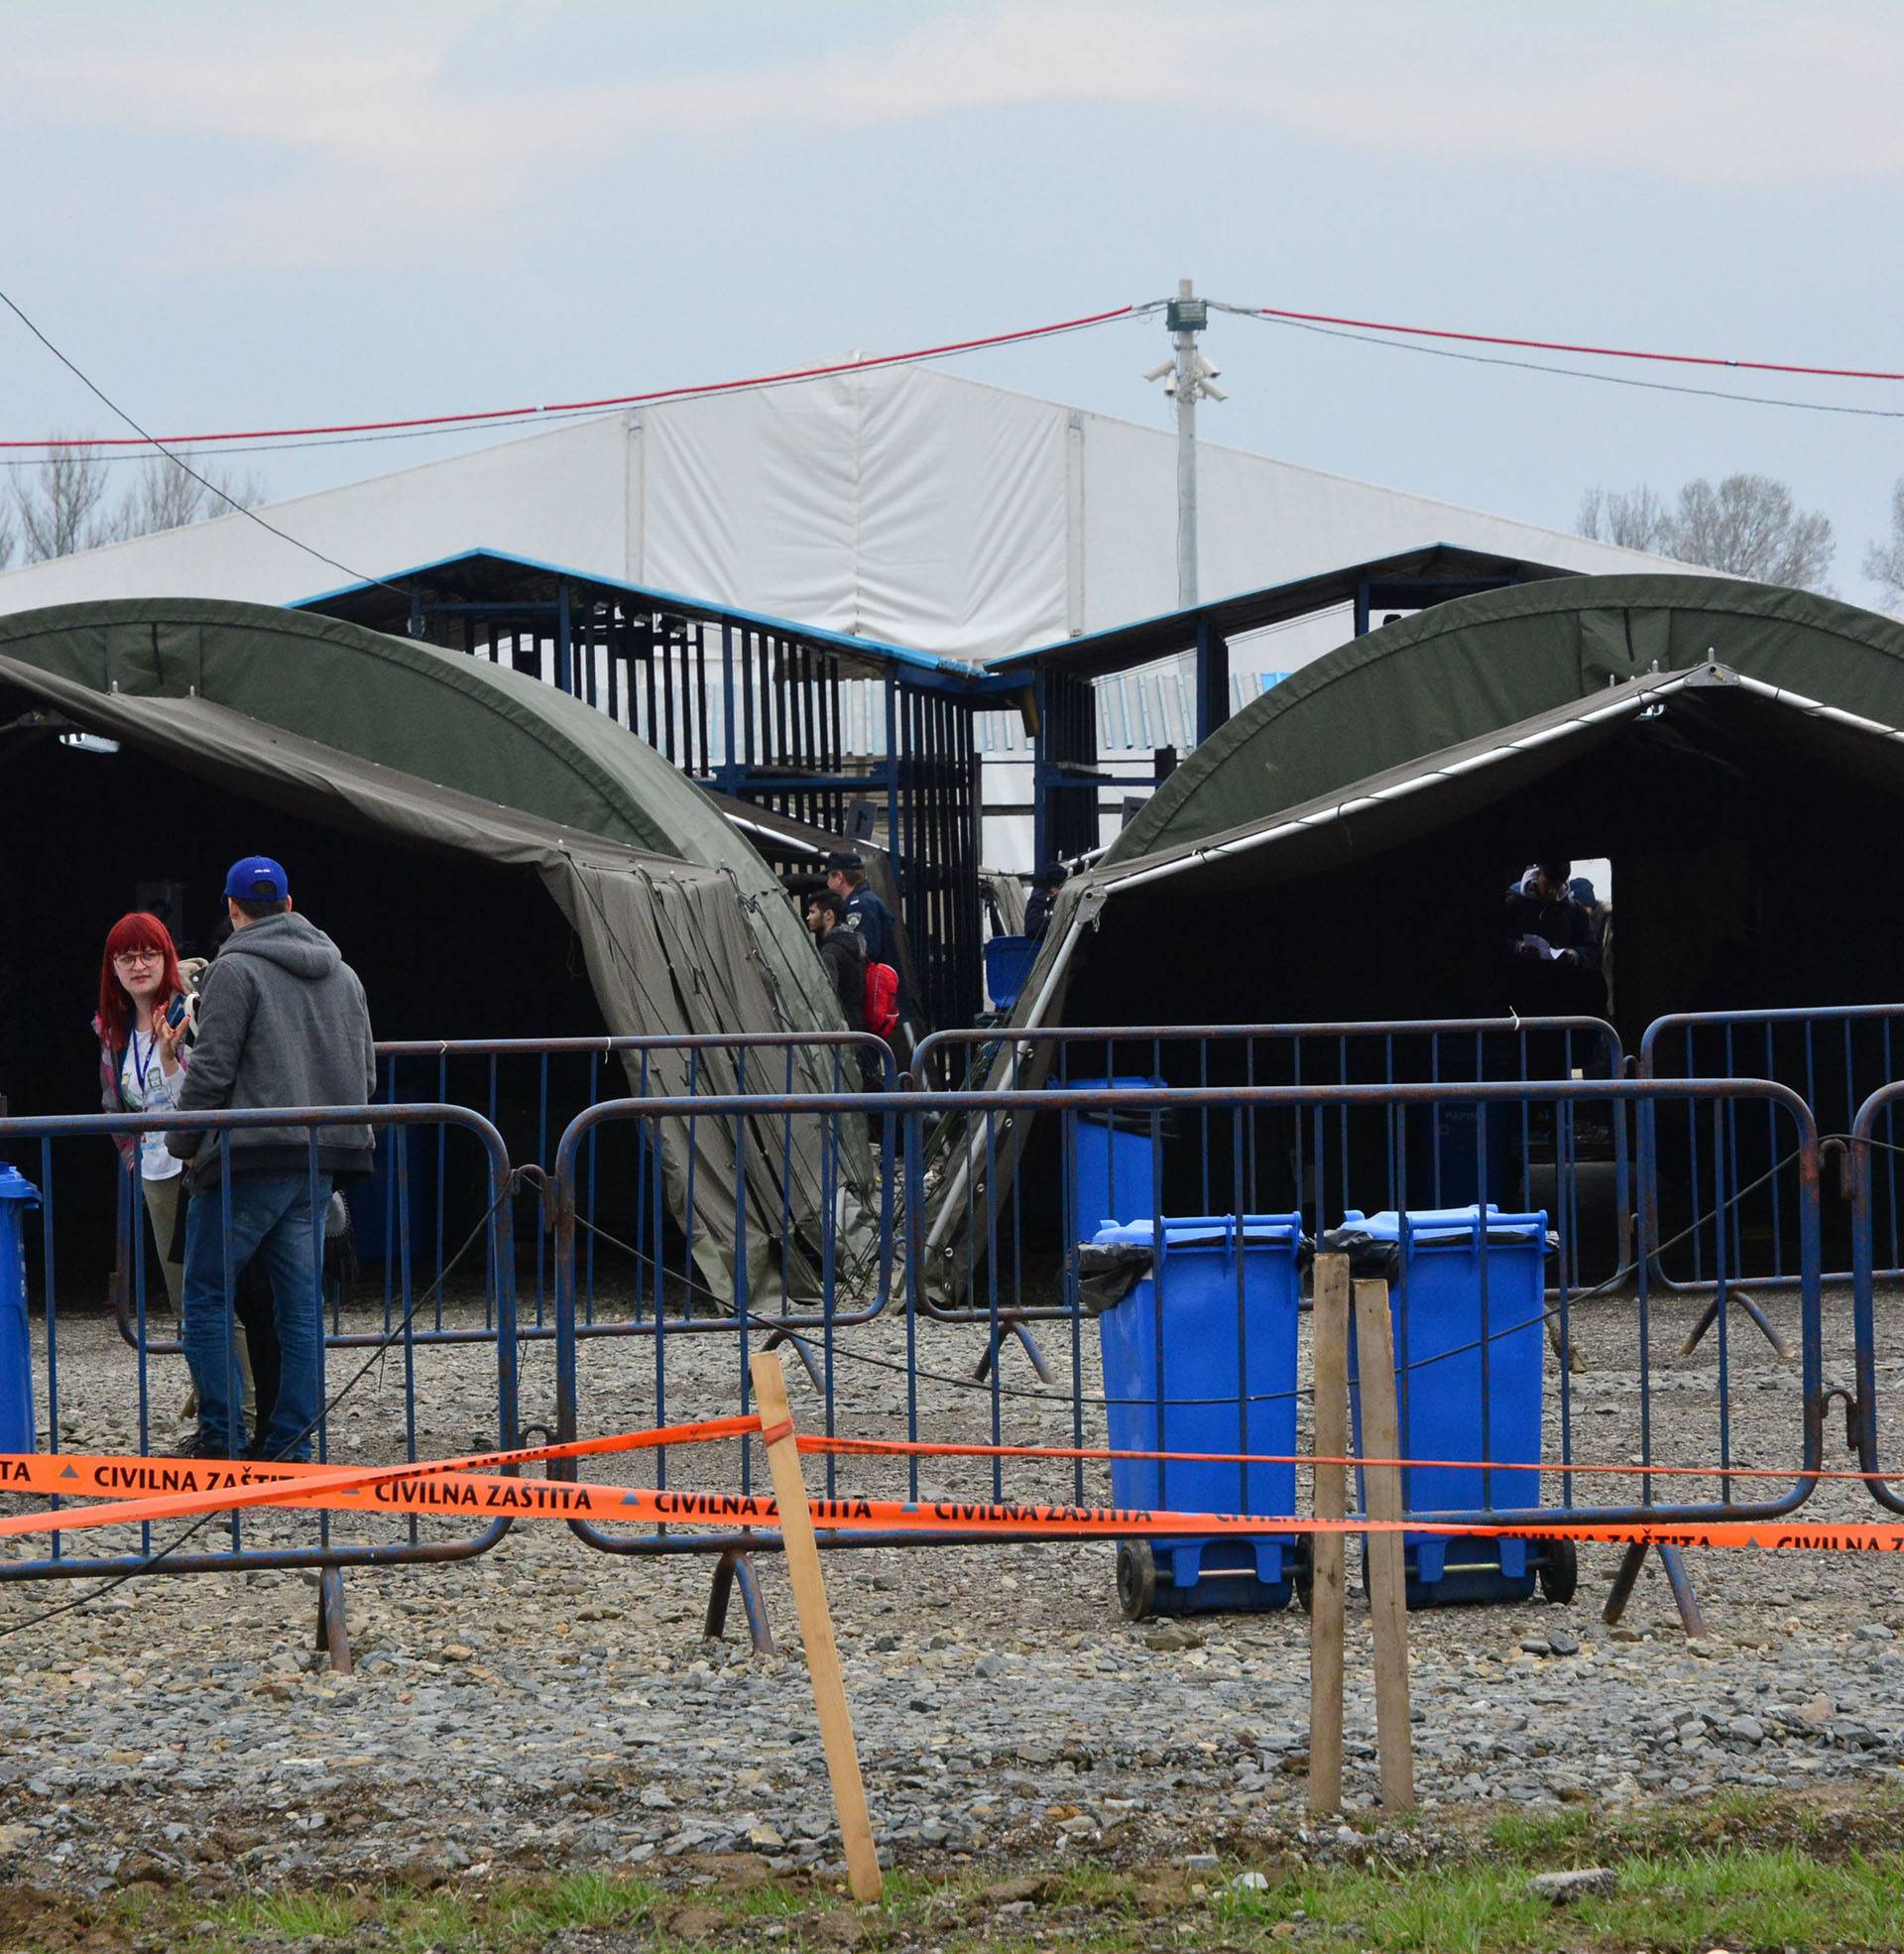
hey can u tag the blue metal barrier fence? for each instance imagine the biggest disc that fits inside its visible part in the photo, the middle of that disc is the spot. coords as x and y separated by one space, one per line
123 1416
1835 1058
881 1374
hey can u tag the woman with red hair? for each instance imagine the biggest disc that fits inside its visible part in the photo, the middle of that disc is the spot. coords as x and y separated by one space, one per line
144 1015
145 1018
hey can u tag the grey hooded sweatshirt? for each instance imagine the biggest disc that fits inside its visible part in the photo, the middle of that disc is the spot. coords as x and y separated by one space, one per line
281 1022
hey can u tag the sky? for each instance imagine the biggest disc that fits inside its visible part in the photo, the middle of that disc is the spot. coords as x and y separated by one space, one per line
244 215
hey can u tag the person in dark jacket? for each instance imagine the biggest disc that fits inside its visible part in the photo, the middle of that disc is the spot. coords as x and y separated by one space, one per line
843 951
1045 892
1553 948
281 1022
864 913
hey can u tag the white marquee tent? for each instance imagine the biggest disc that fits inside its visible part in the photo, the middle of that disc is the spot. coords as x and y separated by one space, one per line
904 504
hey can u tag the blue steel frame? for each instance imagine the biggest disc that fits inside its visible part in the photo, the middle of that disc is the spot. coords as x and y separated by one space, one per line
327 1554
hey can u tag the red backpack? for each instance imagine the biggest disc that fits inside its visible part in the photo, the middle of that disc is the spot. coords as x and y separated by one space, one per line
881 1004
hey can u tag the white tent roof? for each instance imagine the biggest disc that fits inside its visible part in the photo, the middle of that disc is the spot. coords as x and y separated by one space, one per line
904 504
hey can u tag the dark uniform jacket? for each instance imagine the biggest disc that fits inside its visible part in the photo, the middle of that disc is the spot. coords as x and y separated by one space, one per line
872 922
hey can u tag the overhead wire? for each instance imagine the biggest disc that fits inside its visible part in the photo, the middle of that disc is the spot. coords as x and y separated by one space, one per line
203 481
1374 338
487 418
1570 346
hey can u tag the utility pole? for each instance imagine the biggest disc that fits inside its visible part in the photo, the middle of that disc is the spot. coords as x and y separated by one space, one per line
1187 375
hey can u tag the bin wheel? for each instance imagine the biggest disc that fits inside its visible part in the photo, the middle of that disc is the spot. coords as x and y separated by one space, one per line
1558 1572
1137 1579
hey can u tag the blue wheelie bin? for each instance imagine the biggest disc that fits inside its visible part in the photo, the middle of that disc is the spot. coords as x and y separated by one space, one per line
17 1194
1468 1285
1007 963
1111 1178
1200 1356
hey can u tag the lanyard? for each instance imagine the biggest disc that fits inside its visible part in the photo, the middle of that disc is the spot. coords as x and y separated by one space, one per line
142 1067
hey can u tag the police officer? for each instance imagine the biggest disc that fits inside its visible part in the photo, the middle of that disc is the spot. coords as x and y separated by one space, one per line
864 913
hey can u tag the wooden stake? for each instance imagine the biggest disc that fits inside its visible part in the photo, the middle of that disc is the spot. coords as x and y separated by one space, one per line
817 1627
1328 1323
1387 1571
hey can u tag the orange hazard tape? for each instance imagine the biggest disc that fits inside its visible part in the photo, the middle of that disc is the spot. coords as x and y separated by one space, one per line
444 1488
217 1485
923 1448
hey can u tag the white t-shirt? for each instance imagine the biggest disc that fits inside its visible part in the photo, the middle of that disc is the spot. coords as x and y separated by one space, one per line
146 1087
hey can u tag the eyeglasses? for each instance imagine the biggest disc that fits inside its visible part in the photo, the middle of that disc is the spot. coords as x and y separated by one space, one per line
140 956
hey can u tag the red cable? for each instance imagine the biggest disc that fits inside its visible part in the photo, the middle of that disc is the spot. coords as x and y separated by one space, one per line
1565 346
571 406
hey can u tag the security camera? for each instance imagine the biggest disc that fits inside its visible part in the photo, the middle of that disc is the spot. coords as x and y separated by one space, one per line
1161 369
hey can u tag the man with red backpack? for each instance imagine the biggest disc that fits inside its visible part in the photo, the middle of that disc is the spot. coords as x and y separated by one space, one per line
857 981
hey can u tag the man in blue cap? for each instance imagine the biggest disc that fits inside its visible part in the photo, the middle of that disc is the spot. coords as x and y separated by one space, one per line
281 1022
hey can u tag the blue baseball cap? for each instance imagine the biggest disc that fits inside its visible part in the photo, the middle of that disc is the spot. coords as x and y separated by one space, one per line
257 879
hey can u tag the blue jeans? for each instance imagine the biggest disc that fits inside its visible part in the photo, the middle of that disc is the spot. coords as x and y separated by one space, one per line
272 1215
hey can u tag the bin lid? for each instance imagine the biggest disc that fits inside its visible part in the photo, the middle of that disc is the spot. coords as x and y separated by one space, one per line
1206 1231
15 1186
1448 1227
1124 1082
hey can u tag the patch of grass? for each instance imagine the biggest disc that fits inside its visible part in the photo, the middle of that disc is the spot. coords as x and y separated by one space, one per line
1744 1872
292 1915
528 1911
1732 1896
1546 1836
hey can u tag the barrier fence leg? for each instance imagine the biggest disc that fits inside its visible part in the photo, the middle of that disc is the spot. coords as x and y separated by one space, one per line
1387 1569
1674 1562
332 1632
1684 1599
731 1567
1329 1331
803 1351
1012 1326
1740 1301
816 1626
1622 1592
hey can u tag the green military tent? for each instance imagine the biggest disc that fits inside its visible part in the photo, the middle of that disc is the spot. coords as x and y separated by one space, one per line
460 785
1341 850
1339 846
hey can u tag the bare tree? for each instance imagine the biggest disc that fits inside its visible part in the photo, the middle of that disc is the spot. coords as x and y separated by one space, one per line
166 495
1634 519
1747 524
62 507
1750 526
1884 561
58 510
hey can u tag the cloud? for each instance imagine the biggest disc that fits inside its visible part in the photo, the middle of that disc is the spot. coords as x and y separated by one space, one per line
372 129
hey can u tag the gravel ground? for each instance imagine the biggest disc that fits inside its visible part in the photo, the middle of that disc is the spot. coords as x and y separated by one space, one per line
548 1704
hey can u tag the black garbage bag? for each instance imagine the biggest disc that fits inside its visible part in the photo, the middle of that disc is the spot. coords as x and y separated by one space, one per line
1108 1271
1371 1257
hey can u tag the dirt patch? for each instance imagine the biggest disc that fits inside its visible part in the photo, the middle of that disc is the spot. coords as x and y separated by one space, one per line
49 1923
